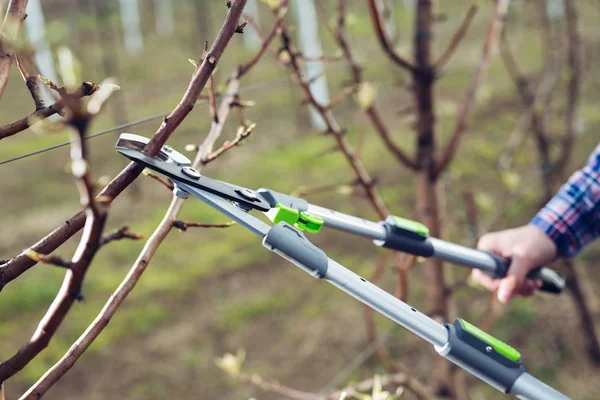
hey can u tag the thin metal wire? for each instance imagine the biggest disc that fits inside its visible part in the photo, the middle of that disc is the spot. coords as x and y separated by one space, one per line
256 86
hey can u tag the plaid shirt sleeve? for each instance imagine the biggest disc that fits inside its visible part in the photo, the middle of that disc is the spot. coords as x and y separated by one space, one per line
572 218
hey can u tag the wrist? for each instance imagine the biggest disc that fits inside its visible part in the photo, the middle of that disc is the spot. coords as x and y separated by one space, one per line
546 246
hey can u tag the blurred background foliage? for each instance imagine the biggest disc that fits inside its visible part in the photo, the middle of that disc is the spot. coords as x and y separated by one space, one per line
208 292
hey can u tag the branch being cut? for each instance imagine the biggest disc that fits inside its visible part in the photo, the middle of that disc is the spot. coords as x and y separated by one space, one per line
21 263
15 15
494 32
384 39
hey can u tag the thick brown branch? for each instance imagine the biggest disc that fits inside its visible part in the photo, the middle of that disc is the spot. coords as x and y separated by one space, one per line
494 32
459 35
384 39
22 263
15 15
86 89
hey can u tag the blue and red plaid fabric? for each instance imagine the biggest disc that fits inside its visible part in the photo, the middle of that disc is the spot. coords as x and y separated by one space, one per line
572 218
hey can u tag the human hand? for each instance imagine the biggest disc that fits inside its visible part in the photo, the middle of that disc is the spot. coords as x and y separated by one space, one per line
528 247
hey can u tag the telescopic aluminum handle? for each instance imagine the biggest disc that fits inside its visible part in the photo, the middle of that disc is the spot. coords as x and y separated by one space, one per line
479 353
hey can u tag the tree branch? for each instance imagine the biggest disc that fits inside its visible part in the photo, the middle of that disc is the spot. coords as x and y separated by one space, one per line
31 82
143 260
333 127
86 89
184 225
384 39
22 263
573 86
119 234
357 76
15 15
95 218
243 133
459 35
494 32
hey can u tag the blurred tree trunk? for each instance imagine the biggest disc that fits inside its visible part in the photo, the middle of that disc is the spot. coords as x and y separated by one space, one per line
428 207
558 175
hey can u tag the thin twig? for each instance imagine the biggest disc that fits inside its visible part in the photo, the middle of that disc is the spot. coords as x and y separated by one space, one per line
357 76
184 225
31 82
119 234
86 89
458 37
163 181
15 15
494 32
384 39
242 134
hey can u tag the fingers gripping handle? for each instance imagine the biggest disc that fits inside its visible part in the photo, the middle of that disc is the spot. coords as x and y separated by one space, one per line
552 282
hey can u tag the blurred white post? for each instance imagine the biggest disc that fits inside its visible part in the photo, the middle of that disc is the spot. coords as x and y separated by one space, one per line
35 27
163 14
251 38
308 35
410 4
555 9
387 8
130 19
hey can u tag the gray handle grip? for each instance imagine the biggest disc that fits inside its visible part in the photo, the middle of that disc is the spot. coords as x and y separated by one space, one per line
552 282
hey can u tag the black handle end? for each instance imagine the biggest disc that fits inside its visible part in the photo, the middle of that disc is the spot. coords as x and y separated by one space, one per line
552 281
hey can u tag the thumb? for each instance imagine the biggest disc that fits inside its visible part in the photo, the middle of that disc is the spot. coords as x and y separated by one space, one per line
517 273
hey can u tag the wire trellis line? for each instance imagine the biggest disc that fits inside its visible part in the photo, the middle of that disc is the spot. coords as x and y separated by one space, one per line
249 88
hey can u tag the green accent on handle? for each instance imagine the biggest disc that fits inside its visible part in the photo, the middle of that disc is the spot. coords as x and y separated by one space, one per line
409 225
287 214
498 345
301 220
309 222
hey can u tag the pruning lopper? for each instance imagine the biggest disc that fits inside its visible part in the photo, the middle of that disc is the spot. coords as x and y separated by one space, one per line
472 349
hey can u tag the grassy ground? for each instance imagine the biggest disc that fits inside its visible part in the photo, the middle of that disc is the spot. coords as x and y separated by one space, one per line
210 292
